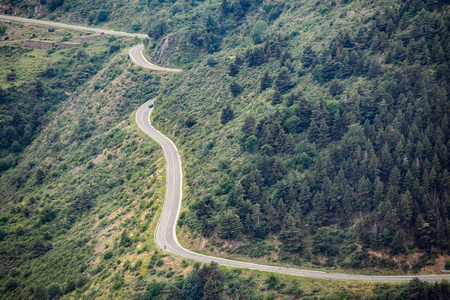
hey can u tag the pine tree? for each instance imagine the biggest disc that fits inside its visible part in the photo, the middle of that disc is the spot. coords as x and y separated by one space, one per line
408 181
394 177
283 82
347 203
238 11
333 199
230 225
256 57
364 193
281 212
278 52
279 135
392 194
235 88
257 215
249 127
378 192
373 168
304 112
251 143
276 98
254 193
295 211
211 25
203 213
398 243
273 224
233 69
322 242
293 98
289 144
309 57
405 208
431 230
386 162
313 131
211 275
320 210
320 112
247 225
323 135
224 8
193 284
305 197
291 237
391 220
227 114
266 81
236 194
338 128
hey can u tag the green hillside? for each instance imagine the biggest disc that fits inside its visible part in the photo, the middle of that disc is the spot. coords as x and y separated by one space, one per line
80 200
312 134
87 186
319 141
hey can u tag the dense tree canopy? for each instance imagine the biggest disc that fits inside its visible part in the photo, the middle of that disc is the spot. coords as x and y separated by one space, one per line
376 153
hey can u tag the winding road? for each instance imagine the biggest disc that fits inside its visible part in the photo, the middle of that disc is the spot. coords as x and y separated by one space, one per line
137 56
165 235
75 27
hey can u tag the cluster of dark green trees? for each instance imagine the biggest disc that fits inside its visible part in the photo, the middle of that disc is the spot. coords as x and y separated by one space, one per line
26 106
415 289
210 282
381 155
209 35
53 291
203 282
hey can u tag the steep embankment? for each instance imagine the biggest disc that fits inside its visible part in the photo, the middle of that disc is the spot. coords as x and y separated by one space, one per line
317 141
165 235
364 143
80 200
80 206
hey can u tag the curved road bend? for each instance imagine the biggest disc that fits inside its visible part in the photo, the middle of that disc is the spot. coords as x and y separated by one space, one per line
82 28
137 56
165 235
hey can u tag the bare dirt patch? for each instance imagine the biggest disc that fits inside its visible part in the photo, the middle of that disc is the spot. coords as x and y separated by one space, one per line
99 158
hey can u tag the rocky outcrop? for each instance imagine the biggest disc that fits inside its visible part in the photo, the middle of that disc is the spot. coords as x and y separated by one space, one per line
161 49
169 46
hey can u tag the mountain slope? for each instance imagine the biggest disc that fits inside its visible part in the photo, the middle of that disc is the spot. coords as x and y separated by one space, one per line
77 219
317 134
313 142
85 192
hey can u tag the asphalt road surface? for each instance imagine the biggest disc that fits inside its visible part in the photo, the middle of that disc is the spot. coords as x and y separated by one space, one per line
165 235
137 56
165 232
75 27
